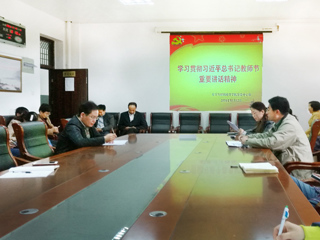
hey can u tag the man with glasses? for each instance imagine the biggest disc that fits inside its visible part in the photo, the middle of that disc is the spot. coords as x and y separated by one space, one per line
80 131
286 138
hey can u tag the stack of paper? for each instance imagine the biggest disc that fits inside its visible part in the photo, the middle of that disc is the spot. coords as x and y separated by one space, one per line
234 143
264 167
29 172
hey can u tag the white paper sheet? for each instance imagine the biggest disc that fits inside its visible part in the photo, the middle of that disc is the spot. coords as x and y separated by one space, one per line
29 172
116 142
69 84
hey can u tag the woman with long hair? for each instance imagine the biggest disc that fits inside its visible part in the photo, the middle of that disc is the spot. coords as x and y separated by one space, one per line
258 111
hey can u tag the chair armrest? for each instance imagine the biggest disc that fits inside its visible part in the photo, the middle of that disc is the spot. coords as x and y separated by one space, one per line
21 161
30 157
290 166
312 182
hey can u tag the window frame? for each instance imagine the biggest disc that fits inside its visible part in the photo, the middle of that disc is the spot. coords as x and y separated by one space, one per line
50 54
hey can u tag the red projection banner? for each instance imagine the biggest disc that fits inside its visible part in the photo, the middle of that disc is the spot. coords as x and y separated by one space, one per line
220 72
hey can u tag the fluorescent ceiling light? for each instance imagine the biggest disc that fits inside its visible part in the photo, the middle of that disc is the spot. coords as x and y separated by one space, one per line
135 2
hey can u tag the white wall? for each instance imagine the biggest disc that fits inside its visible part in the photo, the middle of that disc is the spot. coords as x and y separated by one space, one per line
36 23
130 62
126 62
44 82
291 66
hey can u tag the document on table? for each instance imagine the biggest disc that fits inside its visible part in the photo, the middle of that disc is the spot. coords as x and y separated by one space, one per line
264 167
29 172
233 126
234 143
116 142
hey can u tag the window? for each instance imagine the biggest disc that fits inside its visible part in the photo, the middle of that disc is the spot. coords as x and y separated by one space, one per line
46 53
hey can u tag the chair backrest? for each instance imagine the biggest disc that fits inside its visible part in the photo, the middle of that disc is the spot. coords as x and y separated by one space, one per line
144 114
160 122
218 122
245 121
116 116
64 122
5 119
189 122
315 128
32 140
6 158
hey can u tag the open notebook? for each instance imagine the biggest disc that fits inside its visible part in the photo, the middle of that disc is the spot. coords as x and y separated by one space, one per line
29 172
234 143
264 167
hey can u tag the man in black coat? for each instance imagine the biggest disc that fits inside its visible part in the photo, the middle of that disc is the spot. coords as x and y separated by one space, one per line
106 122
80 132
132 121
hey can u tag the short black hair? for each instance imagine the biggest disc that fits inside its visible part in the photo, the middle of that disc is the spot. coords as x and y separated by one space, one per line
87 108
132 103
20 110
280 103
102 107
45 108
315 105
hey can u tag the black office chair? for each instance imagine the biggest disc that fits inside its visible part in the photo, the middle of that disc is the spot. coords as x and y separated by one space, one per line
160 123
218 123
189 123
116 116
7 160
144 114
145 118
32 140
245 121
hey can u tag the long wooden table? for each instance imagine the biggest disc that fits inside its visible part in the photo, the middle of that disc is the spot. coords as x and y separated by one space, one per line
99 190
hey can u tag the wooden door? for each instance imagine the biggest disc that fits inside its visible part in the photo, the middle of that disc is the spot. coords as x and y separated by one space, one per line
68 88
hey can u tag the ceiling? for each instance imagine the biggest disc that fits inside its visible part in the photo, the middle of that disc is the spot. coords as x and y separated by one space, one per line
112 11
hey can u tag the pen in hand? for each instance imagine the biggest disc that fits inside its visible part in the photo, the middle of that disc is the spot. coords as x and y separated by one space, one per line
285 215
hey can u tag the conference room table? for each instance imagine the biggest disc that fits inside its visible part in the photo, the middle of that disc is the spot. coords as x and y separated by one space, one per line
156 186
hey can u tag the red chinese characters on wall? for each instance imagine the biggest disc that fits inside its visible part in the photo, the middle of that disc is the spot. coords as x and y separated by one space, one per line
218 68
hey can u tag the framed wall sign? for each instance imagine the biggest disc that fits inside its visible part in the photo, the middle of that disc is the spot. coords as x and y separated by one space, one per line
10 74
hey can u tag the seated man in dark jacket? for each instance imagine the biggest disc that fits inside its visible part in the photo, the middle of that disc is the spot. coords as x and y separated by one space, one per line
106 122
80 132
132 121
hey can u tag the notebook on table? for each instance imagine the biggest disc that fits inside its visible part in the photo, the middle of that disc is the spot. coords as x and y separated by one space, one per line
264 167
